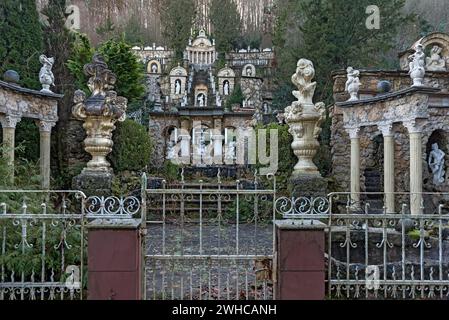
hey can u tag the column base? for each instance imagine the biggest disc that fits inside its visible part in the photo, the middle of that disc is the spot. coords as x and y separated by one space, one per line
301 185
93 183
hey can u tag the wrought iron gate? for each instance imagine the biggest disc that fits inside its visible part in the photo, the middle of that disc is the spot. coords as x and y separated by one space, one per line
209 240
42 245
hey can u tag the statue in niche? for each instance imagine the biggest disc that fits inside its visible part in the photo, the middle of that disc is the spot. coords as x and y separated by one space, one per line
171 150
226 88
353 84
184 100
201 147
230 151
201 100
218 100
417 65
178 86
435 62
153 68
249 72
46 76
436 164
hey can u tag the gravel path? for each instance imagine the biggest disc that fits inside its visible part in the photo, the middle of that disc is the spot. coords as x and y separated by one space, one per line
204 278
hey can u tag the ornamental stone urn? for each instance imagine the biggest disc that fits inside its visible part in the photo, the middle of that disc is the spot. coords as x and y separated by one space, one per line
304 119
99 113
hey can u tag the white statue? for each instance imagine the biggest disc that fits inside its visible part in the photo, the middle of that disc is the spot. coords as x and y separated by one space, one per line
417 66
249 72
226 88
46 76
436 164
201 101
171 150
178 87
304 118
230 151
218 100
353 84
184 100
201 146
435 62
154 68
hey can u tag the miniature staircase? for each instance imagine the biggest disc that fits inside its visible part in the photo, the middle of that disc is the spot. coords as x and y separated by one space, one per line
373 183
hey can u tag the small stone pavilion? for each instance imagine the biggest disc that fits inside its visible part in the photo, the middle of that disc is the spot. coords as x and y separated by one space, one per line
17 103
190 98
396 135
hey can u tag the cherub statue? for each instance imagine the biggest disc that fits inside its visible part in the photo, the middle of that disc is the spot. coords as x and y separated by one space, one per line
435 62
46 76
416 65
353 84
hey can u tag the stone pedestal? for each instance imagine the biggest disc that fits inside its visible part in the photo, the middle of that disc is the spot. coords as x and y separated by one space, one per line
93 183
308 186
300 248
114 260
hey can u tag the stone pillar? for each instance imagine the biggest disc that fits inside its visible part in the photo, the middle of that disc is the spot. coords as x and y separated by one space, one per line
114 260
300 248
416 171
218 149
387 133
355 166
9 124
44 160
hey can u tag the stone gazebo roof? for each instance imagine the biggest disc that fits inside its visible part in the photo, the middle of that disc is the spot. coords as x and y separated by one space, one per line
27 103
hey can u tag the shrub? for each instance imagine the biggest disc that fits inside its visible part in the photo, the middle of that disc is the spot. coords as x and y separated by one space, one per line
132 147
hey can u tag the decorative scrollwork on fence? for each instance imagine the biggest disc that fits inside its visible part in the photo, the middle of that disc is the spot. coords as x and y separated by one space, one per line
112 207
298 207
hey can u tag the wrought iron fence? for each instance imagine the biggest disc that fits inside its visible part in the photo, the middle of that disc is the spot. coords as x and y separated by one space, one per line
42 245
372 254
210 240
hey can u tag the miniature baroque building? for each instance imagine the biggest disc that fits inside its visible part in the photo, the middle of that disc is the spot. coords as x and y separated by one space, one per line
396 134
191 112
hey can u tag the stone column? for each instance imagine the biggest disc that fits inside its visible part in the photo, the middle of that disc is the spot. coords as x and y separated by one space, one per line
387 132
416 171
218 149
300 269
355 166
9 124
44 160
185 142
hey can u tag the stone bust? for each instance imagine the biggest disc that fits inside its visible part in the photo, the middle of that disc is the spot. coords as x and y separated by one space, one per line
436 164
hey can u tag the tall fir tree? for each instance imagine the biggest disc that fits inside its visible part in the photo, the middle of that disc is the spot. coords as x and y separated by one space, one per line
59 43
177 18
226 22
21 40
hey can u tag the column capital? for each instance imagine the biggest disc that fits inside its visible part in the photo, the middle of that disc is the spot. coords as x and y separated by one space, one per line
353 132
9 121
45 126
386 129
413 126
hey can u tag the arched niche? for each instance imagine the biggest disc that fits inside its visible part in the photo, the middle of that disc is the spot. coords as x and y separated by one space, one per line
438 137
154 67
249 71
